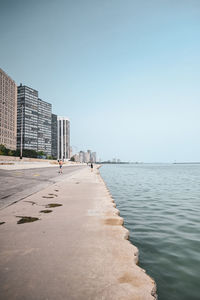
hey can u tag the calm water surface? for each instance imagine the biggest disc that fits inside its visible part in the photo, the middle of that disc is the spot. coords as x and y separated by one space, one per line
160 205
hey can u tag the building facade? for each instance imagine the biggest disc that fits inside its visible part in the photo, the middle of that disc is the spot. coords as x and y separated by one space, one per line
33 121
44 127
27 117
86 157
81 156
63 138
8 111
93 157
89 152
54 135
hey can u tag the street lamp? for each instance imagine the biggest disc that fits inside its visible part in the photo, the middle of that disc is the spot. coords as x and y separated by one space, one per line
22 121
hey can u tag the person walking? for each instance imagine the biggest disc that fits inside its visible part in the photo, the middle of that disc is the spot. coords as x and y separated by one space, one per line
91 167
60 162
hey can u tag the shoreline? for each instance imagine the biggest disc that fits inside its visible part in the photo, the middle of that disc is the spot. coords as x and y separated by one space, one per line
126 237
81 248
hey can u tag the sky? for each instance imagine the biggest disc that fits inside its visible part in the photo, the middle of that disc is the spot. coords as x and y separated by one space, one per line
126 73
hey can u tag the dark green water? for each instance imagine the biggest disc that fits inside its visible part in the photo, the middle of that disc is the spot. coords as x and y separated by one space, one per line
160 205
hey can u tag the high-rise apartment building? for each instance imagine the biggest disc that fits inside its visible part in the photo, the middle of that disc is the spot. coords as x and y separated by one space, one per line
81 157
89 153
27 118
93 157
8 111
63 136
86 157
44 127
33 121
54 135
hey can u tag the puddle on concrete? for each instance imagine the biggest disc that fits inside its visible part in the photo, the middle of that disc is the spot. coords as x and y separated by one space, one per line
77 182
50 205
46 211
32 202
26 219
1 223
49 197
53 195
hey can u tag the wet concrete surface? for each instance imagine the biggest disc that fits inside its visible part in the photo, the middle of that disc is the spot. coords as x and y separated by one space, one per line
16 185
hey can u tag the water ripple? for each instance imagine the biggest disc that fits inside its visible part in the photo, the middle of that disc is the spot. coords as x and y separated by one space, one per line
160 205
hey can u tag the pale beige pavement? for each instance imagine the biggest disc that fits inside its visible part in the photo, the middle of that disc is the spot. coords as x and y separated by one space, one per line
78 251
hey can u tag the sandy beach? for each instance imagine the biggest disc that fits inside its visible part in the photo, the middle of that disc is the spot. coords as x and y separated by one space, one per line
76 248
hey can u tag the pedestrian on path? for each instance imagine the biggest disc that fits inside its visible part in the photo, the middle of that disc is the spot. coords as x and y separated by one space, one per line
91 167
60 162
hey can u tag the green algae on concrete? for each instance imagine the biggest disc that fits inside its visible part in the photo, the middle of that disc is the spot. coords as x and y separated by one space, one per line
46 211
26 219
50 205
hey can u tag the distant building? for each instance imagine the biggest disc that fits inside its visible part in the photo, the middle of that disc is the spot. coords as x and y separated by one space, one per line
8 111
89 152
93 157
63 136
33 121
76 157
81 157
54 136
86 157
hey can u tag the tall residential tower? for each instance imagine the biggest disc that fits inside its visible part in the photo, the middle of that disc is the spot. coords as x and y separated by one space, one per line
54 139
27 118
63 138
33 121
8 111
44 126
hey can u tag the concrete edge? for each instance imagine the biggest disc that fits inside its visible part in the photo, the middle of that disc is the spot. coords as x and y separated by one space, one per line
126 234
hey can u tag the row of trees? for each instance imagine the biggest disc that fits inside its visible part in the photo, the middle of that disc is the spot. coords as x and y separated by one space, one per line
26 153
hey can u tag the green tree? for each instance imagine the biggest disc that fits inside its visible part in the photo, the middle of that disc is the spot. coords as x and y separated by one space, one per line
4 150
49 157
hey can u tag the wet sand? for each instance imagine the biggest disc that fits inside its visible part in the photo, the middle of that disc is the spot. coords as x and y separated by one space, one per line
74 247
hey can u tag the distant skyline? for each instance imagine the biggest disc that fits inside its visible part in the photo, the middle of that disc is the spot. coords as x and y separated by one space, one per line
126 73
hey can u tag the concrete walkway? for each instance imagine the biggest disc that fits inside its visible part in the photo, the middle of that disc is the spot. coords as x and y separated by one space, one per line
20 165
77 251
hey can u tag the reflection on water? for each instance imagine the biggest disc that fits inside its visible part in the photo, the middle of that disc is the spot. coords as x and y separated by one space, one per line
160 204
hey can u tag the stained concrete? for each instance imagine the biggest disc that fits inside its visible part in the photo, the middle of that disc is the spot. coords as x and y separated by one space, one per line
79 251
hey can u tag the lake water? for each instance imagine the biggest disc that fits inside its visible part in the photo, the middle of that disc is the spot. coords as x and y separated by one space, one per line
160 204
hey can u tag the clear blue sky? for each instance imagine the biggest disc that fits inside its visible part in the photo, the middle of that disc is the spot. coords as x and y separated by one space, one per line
126 73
